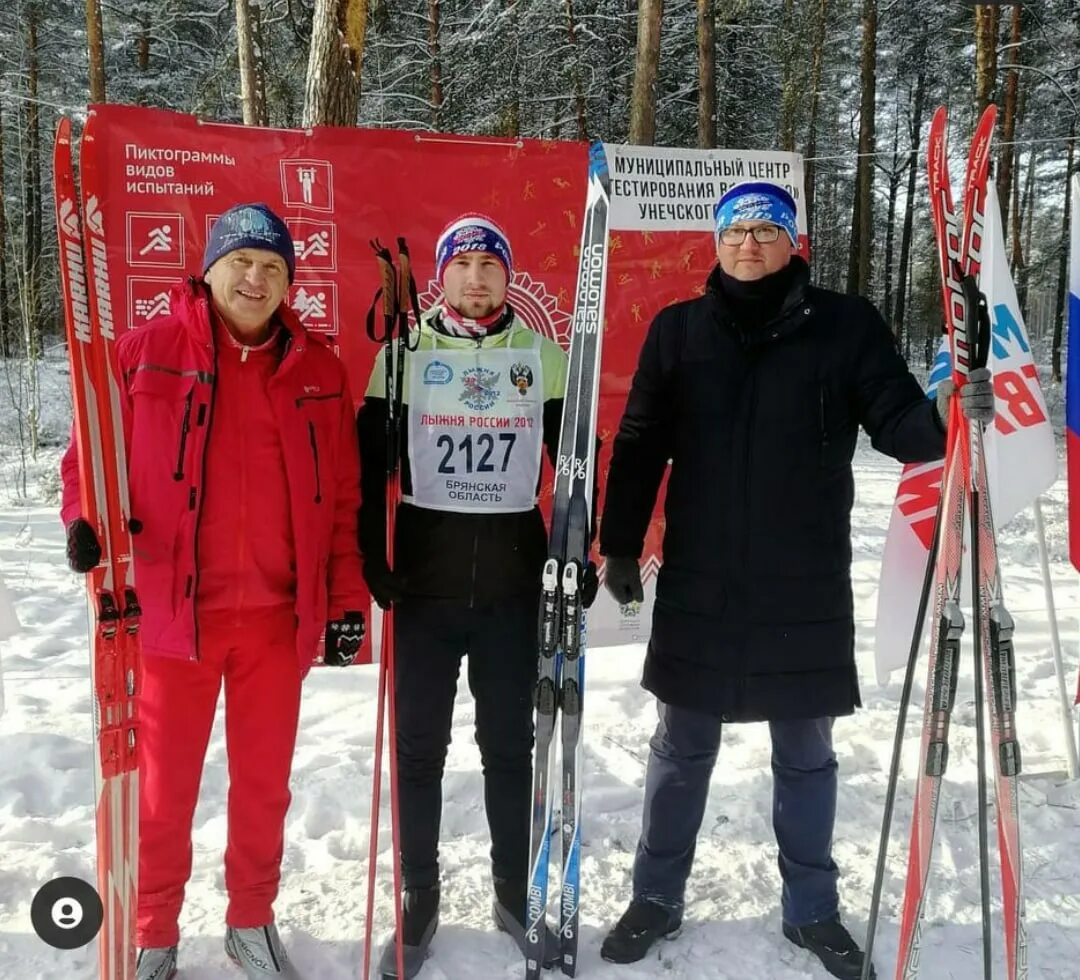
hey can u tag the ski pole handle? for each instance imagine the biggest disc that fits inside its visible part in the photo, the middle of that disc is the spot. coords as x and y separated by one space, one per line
976 308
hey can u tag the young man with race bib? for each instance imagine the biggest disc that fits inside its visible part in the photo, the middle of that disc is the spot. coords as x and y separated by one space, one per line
483 398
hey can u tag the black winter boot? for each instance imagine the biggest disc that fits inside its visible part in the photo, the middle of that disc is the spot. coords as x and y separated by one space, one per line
641 925
508 911
831 943
420 919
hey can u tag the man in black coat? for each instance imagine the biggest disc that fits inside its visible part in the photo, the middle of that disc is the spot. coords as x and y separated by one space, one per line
754 394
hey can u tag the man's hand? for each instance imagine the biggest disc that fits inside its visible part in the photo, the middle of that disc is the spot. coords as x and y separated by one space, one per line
83 547
622 577
343 639
976 397
385 586
590 585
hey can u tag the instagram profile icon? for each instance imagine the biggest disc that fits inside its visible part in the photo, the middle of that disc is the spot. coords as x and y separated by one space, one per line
66 913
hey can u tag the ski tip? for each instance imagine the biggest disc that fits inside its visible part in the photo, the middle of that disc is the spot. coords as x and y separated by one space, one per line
598 165
63 129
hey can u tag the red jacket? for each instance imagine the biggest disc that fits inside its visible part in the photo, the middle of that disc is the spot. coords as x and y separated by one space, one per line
175 384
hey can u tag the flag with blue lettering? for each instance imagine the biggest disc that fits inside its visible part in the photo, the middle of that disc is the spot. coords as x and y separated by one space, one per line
1020 455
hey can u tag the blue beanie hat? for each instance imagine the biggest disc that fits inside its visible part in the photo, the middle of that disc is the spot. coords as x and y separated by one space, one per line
472 233
250 226
757 201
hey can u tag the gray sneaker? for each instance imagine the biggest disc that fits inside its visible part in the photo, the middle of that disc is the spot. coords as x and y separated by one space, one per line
259 952
156 963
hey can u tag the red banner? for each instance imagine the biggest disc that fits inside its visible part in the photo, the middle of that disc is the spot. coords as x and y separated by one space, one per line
167 176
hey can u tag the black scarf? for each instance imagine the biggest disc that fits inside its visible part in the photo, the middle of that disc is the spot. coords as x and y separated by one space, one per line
755 302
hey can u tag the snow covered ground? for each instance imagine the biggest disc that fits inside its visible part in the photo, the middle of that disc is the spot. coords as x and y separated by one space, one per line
732 930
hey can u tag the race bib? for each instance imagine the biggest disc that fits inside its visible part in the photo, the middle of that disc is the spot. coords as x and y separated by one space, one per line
476 428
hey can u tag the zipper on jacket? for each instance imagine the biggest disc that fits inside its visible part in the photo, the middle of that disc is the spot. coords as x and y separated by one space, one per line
185 427
472 582
207 414
748 458
315 458
824 398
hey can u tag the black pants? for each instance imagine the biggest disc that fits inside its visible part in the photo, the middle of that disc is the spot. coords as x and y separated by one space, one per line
432 635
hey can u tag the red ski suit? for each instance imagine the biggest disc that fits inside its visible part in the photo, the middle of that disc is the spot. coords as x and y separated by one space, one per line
244 481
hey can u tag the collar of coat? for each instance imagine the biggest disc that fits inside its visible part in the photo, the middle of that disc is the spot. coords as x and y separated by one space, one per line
793 313
190 301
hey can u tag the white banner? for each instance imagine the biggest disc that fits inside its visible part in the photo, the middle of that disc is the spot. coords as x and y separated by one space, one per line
1021 458
656 188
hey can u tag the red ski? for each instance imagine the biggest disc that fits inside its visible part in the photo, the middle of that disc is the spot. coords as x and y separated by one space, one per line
110 586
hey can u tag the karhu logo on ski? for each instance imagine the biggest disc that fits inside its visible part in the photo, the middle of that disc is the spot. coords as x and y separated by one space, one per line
94 220
100 262
311 389
480 392
80 303
69 218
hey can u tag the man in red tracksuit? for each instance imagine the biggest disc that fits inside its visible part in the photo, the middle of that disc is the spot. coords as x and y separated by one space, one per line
244 480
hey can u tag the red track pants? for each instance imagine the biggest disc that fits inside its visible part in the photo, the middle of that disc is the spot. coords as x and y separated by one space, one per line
257 661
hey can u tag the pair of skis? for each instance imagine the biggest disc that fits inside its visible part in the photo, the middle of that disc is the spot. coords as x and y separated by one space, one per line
964 488
115 612
562 635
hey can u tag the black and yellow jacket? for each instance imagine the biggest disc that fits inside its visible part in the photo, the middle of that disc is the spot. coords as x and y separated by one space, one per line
472 557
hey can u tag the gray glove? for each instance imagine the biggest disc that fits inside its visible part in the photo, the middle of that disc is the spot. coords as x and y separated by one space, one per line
622 578
976 397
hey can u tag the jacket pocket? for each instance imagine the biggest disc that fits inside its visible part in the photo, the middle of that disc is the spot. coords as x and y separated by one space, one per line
163 404
835 433
321 415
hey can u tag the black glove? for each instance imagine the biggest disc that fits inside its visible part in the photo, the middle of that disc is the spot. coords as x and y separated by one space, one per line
623 580
386 587
83 547
590 585
343 639
976 397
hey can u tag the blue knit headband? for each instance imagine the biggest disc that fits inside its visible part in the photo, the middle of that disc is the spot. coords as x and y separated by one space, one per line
757 201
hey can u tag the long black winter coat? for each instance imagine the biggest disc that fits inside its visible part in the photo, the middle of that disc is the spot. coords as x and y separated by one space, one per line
754 612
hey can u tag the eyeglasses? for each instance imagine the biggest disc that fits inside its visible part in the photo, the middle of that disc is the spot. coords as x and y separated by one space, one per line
763 234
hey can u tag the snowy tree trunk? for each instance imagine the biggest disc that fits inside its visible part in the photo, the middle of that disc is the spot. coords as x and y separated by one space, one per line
706 46
896 174
1008 123
510 117
817 59
986 29
902 277
862 222
646 65
95 51
332 93
434 53
30 278
579 91
790 88
254 108
5 310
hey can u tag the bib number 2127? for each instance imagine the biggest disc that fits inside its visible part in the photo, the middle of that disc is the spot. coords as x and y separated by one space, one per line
483 447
